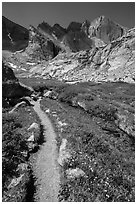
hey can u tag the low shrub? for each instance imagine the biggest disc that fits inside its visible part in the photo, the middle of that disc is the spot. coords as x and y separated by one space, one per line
13 144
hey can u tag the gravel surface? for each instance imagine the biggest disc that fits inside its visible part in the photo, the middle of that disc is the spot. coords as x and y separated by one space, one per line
46 169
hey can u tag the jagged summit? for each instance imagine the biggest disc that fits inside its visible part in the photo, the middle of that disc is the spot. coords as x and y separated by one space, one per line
100 50
77 36
45 27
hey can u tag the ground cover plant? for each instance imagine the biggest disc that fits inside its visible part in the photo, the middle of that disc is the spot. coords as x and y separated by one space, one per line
39 84
16 171
98 145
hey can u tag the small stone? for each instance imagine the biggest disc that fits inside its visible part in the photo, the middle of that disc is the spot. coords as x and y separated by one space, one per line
22 167
47 111
31 138
33 126
60 124
75 173
15 181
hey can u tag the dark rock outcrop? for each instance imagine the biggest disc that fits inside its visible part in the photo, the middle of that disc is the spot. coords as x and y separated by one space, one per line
11 88
14 36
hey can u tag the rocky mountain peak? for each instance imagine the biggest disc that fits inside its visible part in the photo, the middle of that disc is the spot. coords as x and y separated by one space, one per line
105 29
57 26
45 27
58 30
32 33
83 44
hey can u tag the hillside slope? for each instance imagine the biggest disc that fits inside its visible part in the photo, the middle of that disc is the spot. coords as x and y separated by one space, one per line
14 36
114 62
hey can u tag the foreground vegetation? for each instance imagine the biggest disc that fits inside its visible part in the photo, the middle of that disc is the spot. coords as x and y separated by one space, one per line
101 142
98 145
16 170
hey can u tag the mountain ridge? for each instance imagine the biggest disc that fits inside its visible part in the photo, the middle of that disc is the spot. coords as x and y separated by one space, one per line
80 54
77 36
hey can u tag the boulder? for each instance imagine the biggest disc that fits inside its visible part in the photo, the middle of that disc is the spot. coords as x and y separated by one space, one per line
31 142
126 122
82 105
34 126
64 154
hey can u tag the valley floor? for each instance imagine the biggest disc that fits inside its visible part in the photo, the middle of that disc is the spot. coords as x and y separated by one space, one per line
87 153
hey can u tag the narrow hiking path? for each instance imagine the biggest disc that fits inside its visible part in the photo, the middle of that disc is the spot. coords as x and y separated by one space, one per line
46 169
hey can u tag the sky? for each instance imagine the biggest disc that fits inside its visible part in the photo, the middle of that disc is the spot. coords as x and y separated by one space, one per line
33 13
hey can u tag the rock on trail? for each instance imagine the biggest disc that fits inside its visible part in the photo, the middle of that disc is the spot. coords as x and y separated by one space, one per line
46 169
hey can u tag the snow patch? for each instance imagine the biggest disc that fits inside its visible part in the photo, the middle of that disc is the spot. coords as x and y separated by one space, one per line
54 36
10 38
12 65
31 63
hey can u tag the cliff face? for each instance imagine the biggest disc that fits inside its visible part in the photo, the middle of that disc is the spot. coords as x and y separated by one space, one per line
14 36
105 29
82 36
41 47
73 38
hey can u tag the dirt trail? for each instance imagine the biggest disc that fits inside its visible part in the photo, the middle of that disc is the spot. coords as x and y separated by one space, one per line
46 168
